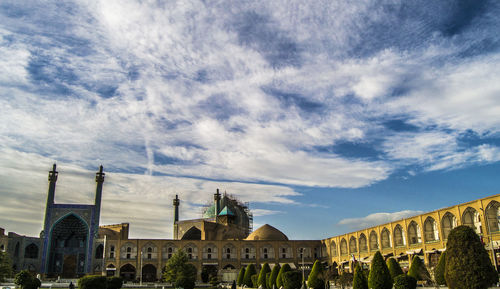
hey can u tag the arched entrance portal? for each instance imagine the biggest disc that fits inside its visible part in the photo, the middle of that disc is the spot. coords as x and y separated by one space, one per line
148 273
68 246
127 272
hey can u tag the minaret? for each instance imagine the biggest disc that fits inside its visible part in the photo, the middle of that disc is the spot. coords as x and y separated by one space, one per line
217 204
176 203
50 195
99 179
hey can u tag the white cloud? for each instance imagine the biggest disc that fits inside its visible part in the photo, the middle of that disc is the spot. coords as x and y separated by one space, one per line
377 219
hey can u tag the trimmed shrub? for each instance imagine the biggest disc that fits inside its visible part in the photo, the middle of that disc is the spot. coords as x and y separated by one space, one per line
93 282
262 276
292 280
315 279
247 279
185 282
345 279
114 282
241 276
418 270
405 282
255 279
279 279
467 262
439 270
359 281
379 277
272 278
394 268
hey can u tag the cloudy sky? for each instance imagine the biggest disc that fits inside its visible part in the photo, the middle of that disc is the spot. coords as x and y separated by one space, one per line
326 116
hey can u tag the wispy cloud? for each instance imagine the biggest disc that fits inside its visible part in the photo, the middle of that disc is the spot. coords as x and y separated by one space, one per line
376 219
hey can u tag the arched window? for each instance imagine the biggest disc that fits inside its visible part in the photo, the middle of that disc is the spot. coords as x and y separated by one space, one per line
31 251
470 218
333 249
399 240
343 247
492 216
448 222
430 230
129 249
385 238
352 245
363 246
99 251
373 241
414 236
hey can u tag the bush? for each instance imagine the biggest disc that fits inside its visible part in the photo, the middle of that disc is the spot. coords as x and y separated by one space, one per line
292 279
272 279
247 279
5 266
241 276
467 264
92 282
379 277
346 279
394 268
359 281
418 270
279 279
405 282
255 279
185 282
26 280
262 276
315 279
114 282
439 270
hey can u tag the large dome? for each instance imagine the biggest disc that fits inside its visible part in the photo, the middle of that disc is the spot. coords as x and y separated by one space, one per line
268 233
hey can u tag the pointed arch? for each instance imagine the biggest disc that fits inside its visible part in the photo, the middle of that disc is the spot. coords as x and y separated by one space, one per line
333 249
229 252
99 251
343 247
363 246
414 235
385 238
431 230
353 248
448 222
492 216
373 240
191 250
470 217
168 250
399 236
192 234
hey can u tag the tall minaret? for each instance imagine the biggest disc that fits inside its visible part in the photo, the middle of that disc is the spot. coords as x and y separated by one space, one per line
217 204
99 179
50 195
176 203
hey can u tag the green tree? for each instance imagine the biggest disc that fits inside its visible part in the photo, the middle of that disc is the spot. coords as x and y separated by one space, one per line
241 275
394 268
379 277
114 282
272 279
255 279
418 270
292 279
405 282
179 272
467 262
439 270
91 282
5 266
279 279
359 280
262 275
247 279
28 281
315 279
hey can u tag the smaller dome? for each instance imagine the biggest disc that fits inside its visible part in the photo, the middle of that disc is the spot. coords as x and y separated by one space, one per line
268 233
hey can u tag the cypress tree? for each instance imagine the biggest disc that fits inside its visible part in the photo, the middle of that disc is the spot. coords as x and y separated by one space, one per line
272 278
249 272
279 279
467 264
241 276
262 276
439 271
418 270
315 279
359 281
405 282
379 277
394 268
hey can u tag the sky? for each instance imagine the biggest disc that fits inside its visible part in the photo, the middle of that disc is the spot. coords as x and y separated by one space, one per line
326 116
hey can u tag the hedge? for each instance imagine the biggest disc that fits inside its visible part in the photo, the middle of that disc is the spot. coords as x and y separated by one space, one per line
379 277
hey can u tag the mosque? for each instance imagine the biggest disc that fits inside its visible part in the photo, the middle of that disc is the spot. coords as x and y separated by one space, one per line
73 243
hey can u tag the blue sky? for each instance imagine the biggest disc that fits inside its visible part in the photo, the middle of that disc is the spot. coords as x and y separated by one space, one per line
326 116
